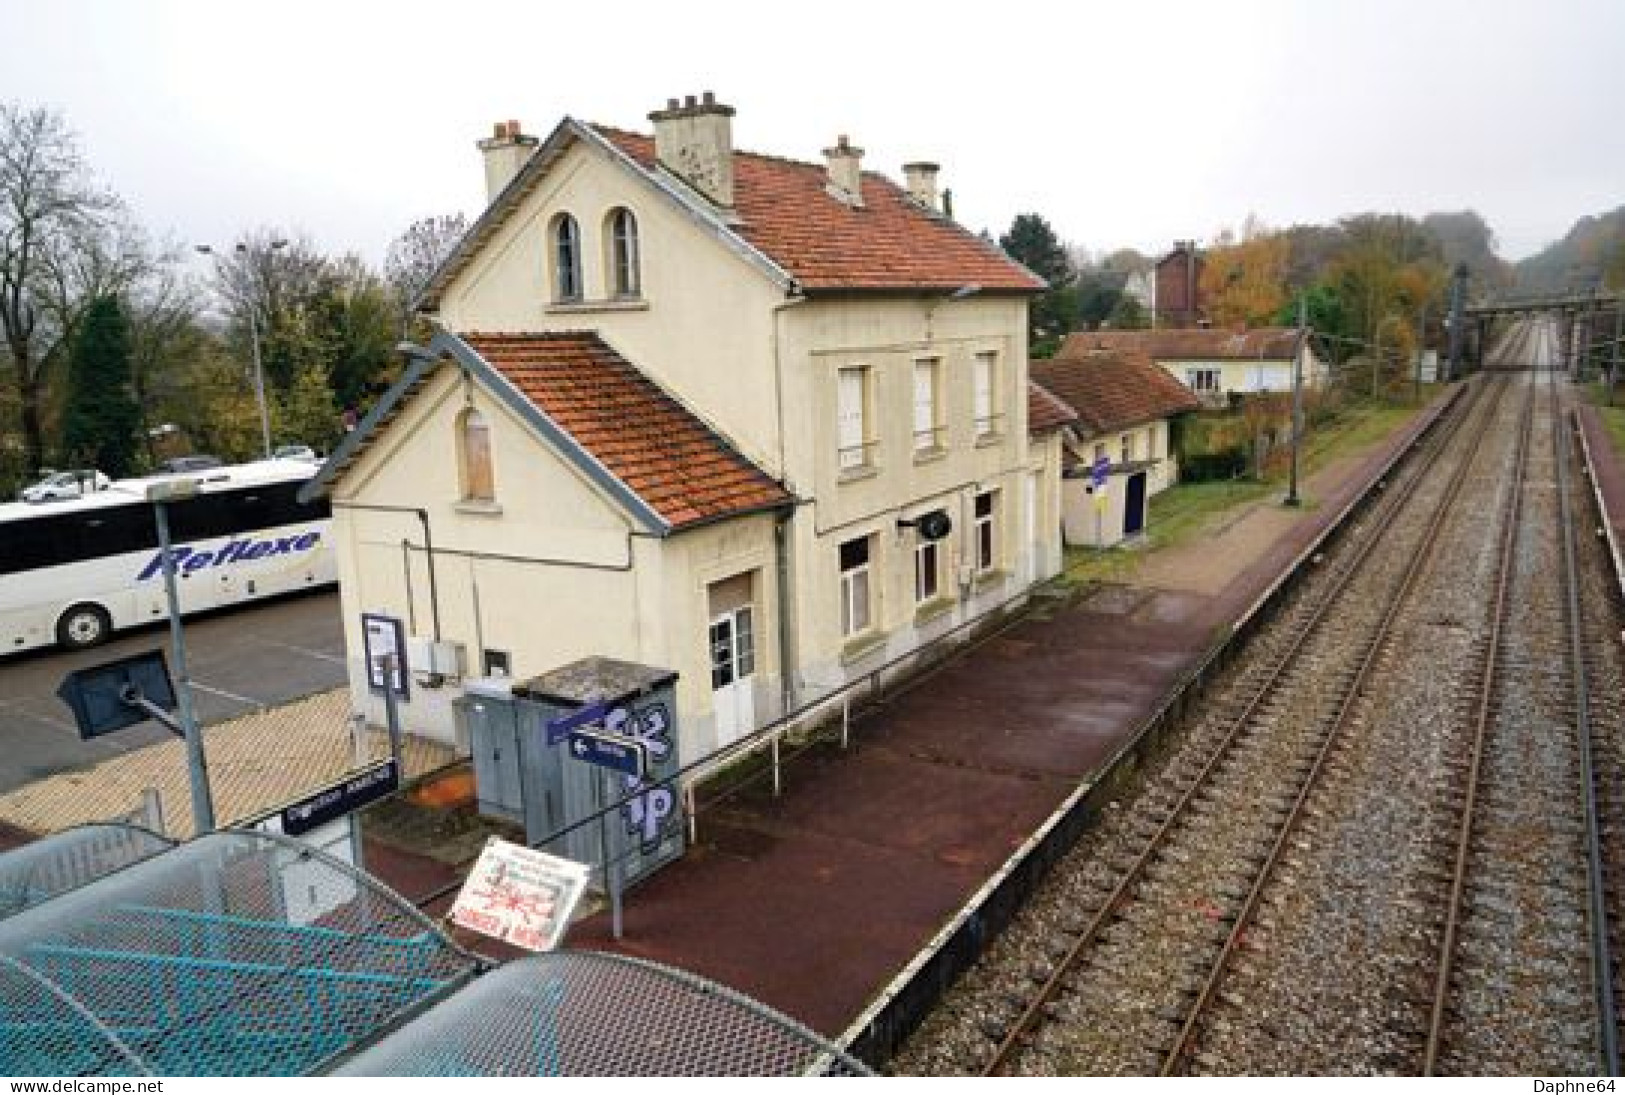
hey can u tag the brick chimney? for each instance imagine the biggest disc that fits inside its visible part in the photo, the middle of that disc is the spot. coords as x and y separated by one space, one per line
694 141
922 184
845 171
505 151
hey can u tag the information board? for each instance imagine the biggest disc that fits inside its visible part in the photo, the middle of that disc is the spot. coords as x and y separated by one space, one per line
520 896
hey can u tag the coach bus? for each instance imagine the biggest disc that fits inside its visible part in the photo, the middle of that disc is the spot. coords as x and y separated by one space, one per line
74 572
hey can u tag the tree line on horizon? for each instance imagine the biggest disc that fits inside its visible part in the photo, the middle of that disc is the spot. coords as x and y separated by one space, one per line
113 355
1371 281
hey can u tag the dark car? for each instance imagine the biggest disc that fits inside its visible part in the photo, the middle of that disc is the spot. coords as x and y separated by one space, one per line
196 462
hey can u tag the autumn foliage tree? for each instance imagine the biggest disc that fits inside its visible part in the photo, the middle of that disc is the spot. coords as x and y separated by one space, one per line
1244 280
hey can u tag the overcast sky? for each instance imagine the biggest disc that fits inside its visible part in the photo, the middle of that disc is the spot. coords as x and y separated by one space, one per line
1129 123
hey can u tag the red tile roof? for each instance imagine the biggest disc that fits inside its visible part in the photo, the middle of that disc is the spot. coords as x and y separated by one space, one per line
1190 343
1112 391
679 466
1046 411
891 242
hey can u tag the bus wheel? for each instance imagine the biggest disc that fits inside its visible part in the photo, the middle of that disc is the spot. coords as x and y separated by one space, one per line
83 626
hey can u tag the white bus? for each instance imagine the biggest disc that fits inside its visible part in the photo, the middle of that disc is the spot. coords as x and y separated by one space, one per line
73 572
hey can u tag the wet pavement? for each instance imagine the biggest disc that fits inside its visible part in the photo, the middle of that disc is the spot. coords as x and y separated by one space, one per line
814 900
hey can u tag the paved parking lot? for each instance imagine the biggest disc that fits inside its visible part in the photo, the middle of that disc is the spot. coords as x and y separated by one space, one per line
240 661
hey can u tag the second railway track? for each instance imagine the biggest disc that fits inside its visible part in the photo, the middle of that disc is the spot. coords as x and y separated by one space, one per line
1279 903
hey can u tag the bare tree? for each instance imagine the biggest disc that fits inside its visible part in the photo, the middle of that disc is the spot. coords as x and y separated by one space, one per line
418 252
49 209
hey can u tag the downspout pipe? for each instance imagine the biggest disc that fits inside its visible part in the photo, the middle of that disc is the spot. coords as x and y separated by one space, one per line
428 548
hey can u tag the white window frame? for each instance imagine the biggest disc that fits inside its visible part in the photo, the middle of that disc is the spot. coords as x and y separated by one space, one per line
927 571
928 421
567 273
625 255
1125 445
854 438
857 589
1203 380
985 532
985 394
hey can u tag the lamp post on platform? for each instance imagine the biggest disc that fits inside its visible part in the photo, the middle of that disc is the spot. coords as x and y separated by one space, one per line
252 307
161 494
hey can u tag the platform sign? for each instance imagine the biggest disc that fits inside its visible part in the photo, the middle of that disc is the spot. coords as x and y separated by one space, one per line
345 797
520 895
624 755
559 729
1099 470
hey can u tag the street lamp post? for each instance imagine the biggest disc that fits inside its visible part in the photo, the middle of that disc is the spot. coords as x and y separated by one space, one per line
252 307
160 494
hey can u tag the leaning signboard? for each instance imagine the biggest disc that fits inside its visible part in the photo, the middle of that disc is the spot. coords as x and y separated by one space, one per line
520 896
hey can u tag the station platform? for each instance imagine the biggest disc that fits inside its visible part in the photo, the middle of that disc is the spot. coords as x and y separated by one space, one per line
814 901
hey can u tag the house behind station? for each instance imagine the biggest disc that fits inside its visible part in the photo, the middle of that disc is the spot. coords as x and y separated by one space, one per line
1118 449
1214 363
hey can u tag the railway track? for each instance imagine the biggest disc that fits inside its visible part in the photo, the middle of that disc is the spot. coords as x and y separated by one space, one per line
1272 901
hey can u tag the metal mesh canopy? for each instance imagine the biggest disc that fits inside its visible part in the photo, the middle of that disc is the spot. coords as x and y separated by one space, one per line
577 1013
67 860
237 954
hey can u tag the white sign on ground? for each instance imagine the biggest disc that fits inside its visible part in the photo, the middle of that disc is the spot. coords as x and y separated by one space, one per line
520 896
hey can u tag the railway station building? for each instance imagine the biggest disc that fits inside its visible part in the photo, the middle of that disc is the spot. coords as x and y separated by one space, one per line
761 422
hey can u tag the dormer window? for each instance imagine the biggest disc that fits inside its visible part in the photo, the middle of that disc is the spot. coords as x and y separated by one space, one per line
566 258
626 278
474 452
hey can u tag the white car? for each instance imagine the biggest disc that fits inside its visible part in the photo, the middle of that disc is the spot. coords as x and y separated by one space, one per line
65 484
297 452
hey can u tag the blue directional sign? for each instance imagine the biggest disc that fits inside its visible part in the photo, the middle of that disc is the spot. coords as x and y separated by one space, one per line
622 754
558 729
1099 470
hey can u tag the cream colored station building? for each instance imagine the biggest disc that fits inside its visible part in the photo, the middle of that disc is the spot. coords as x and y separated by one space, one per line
688 407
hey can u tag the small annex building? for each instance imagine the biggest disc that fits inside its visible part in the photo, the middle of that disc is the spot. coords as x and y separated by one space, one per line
1215 363
758 422
1117 449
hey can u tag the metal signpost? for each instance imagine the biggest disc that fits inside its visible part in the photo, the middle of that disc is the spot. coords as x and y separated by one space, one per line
612 754
1098 471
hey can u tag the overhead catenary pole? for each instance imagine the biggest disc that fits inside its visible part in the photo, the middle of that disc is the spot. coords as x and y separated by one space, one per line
1458 290
1297 398
1613 357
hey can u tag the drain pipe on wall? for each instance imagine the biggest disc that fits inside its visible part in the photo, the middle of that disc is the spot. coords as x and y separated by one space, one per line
428 547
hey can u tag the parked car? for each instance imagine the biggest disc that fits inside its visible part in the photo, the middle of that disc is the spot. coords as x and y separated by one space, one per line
65 484
297 452
196 462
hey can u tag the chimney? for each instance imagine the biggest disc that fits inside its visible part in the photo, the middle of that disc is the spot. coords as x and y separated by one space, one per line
922 184
505 151
694 141
846 172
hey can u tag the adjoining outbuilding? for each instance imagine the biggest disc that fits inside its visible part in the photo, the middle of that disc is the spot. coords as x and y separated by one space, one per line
1118 449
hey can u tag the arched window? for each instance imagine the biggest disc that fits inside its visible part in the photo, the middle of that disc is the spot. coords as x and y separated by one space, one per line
566 258
474 451
626 279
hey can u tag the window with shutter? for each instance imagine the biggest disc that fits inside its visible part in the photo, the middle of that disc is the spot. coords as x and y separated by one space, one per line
852 432
983 404
927 415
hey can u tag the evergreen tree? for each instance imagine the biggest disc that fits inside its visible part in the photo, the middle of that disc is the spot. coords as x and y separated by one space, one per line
100 419
1033 243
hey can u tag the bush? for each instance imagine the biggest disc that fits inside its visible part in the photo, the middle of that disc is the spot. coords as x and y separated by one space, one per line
1208 467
